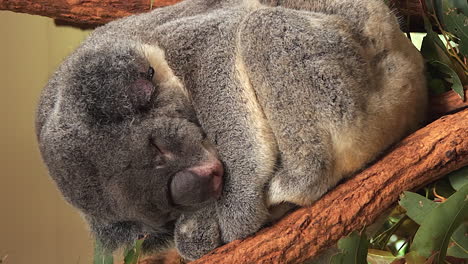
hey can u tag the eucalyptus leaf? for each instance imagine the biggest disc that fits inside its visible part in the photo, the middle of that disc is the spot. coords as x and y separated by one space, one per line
454 79
437 86
353 249
456 23
414 258
375 256
459 178
133 254
458 246
417 206
100 254
460 4
130 257
432 47
337 259
434 234
444 188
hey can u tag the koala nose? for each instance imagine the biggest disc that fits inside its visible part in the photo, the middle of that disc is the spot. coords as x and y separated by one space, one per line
197 184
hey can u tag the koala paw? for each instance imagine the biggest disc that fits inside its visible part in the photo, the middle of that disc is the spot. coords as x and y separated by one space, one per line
242 218
303 194
197 234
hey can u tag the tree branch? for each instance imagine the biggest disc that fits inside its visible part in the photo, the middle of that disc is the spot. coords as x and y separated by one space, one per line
98 12
95 12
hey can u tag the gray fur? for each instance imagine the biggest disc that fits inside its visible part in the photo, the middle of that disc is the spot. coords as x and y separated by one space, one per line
294 96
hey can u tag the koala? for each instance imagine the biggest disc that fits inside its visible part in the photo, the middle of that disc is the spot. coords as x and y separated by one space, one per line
195 122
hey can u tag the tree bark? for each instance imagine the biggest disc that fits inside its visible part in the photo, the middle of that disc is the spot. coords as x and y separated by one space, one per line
98 12
448 102
87 12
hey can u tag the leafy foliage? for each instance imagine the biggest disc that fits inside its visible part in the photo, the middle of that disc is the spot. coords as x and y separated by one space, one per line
423 229
133 254
446 62
459 178
437 227
353 249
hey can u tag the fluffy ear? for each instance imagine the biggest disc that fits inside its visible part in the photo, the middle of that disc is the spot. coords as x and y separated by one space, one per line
198 233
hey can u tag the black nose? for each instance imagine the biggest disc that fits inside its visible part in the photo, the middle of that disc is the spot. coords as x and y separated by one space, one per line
195 185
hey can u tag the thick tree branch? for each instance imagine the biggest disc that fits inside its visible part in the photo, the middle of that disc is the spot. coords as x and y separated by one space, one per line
98 12
448 102
428 154
95 12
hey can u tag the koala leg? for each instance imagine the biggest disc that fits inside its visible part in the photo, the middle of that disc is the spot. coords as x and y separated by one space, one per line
310 86
306 170
198 233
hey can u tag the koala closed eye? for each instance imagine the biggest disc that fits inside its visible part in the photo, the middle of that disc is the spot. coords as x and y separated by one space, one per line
142 92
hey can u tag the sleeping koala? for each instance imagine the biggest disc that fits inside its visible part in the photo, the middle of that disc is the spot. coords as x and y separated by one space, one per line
193 122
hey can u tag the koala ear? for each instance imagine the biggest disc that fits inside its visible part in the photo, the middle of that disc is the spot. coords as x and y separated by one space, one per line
197 234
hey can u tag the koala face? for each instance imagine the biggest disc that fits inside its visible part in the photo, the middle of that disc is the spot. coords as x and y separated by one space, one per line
122 141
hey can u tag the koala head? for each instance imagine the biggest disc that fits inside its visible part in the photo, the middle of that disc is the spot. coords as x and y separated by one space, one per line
120 138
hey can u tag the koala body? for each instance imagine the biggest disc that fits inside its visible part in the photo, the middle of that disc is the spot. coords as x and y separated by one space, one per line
291 97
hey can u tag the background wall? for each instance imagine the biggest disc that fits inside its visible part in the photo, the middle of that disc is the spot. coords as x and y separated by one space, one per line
36 224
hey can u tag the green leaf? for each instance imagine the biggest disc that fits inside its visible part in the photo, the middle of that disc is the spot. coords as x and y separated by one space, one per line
100 254
133 254
456 23
459 178
432 47
458 246
417 206
454 79
437 86
353 249
444 188
414 258
375 256
433 236
460 4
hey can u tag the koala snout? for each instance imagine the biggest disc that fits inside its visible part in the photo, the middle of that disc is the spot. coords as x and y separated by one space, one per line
197 184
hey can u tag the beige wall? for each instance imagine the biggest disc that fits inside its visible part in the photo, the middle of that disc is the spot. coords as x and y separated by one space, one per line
36 224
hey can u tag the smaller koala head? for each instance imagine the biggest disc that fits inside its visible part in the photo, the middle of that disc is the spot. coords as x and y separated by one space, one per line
121 139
